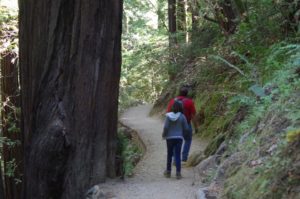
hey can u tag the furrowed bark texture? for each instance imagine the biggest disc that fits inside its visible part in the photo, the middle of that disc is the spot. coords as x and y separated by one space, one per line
70 68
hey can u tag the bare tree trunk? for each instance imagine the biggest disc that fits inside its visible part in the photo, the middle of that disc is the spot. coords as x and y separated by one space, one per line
70 57
10 116
2 195
227 17
172 33
172 22
194 8
290 9
181 18
161 14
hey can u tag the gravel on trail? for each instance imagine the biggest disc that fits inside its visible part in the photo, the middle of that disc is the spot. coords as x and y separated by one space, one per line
148 181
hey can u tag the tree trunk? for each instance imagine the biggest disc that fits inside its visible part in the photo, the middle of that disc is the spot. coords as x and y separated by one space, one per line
70 57
226 16
172 22
290 9
161 14
172 34
194 8
1 183
10 116
181 19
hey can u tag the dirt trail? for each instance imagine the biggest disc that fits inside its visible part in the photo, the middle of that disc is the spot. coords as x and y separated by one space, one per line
148 181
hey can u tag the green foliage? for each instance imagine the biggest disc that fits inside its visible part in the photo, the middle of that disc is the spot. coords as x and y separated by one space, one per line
8 31
9 45
258 67
270 179
218 58
282 96
130 153
145 60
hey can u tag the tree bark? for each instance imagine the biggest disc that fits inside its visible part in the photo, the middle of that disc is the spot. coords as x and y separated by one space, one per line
10 116
226 16
181 19
1 184
194 7
70 57
161 15
172 34
290 9
172 22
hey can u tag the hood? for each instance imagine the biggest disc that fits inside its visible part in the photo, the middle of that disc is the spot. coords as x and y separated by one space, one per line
173 116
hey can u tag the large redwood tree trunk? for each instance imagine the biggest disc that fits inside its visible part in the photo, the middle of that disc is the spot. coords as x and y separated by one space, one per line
70 67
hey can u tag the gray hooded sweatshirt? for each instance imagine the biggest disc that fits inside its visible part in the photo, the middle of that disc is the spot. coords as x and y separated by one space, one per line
176 126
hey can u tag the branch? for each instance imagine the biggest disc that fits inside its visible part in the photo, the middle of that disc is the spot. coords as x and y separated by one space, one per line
210 19
216 57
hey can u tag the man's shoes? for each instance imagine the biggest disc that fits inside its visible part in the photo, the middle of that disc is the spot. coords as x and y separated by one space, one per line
167 174
178 176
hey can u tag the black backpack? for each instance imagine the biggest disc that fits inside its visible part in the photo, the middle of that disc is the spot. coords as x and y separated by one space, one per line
180 101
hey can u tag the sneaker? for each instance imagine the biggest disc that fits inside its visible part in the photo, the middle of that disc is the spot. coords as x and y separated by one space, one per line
167 174
178 176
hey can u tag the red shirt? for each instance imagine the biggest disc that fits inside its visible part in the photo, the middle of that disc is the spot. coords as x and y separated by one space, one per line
188 106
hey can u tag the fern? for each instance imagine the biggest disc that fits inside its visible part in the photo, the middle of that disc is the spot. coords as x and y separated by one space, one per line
218 58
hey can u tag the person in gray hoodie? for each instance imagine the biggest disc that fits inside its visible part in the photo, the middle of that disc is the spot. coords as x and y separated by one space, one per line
175 129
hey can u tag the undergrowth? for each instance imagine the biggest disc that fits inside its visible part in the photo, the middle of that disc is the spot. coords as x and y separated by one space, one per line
248 87
128 152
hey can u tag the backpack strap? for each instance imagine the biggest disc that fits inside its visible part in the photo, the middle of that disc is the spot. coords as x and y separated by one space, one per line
179 99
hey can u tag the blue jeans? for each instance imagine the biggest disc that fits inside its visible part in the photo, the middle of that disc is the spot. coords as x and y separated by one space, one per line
174 146
187 144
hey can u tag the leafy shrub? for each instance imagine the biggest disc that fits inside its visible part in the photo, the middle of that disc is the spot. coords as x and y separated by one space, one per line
129 153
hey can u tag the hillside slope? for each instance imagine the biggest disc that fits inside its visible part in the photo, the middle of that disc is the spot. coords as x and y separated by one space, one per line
247 89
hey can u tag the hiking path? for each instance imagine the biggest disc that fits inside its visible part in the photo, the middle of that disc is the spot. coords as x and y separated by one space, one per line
148 181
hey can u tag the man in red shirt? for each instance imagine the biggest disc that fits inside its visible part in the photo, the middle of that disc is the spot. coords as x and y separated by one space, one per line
189 112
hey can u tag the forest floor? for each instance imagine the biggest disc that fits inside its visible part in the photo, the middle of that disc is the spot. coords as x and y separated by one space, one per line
148 181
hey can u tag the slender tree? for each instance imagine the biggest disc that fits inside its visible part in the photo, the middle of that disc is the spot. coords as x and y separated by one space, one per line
12 155
194 9
161 14
70 67
1 184
224 15
290 9
181 18
172 21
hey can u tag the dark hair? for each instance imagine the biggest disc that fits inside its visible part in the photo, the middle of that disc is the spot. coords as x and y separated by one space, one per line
183 91
177 107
